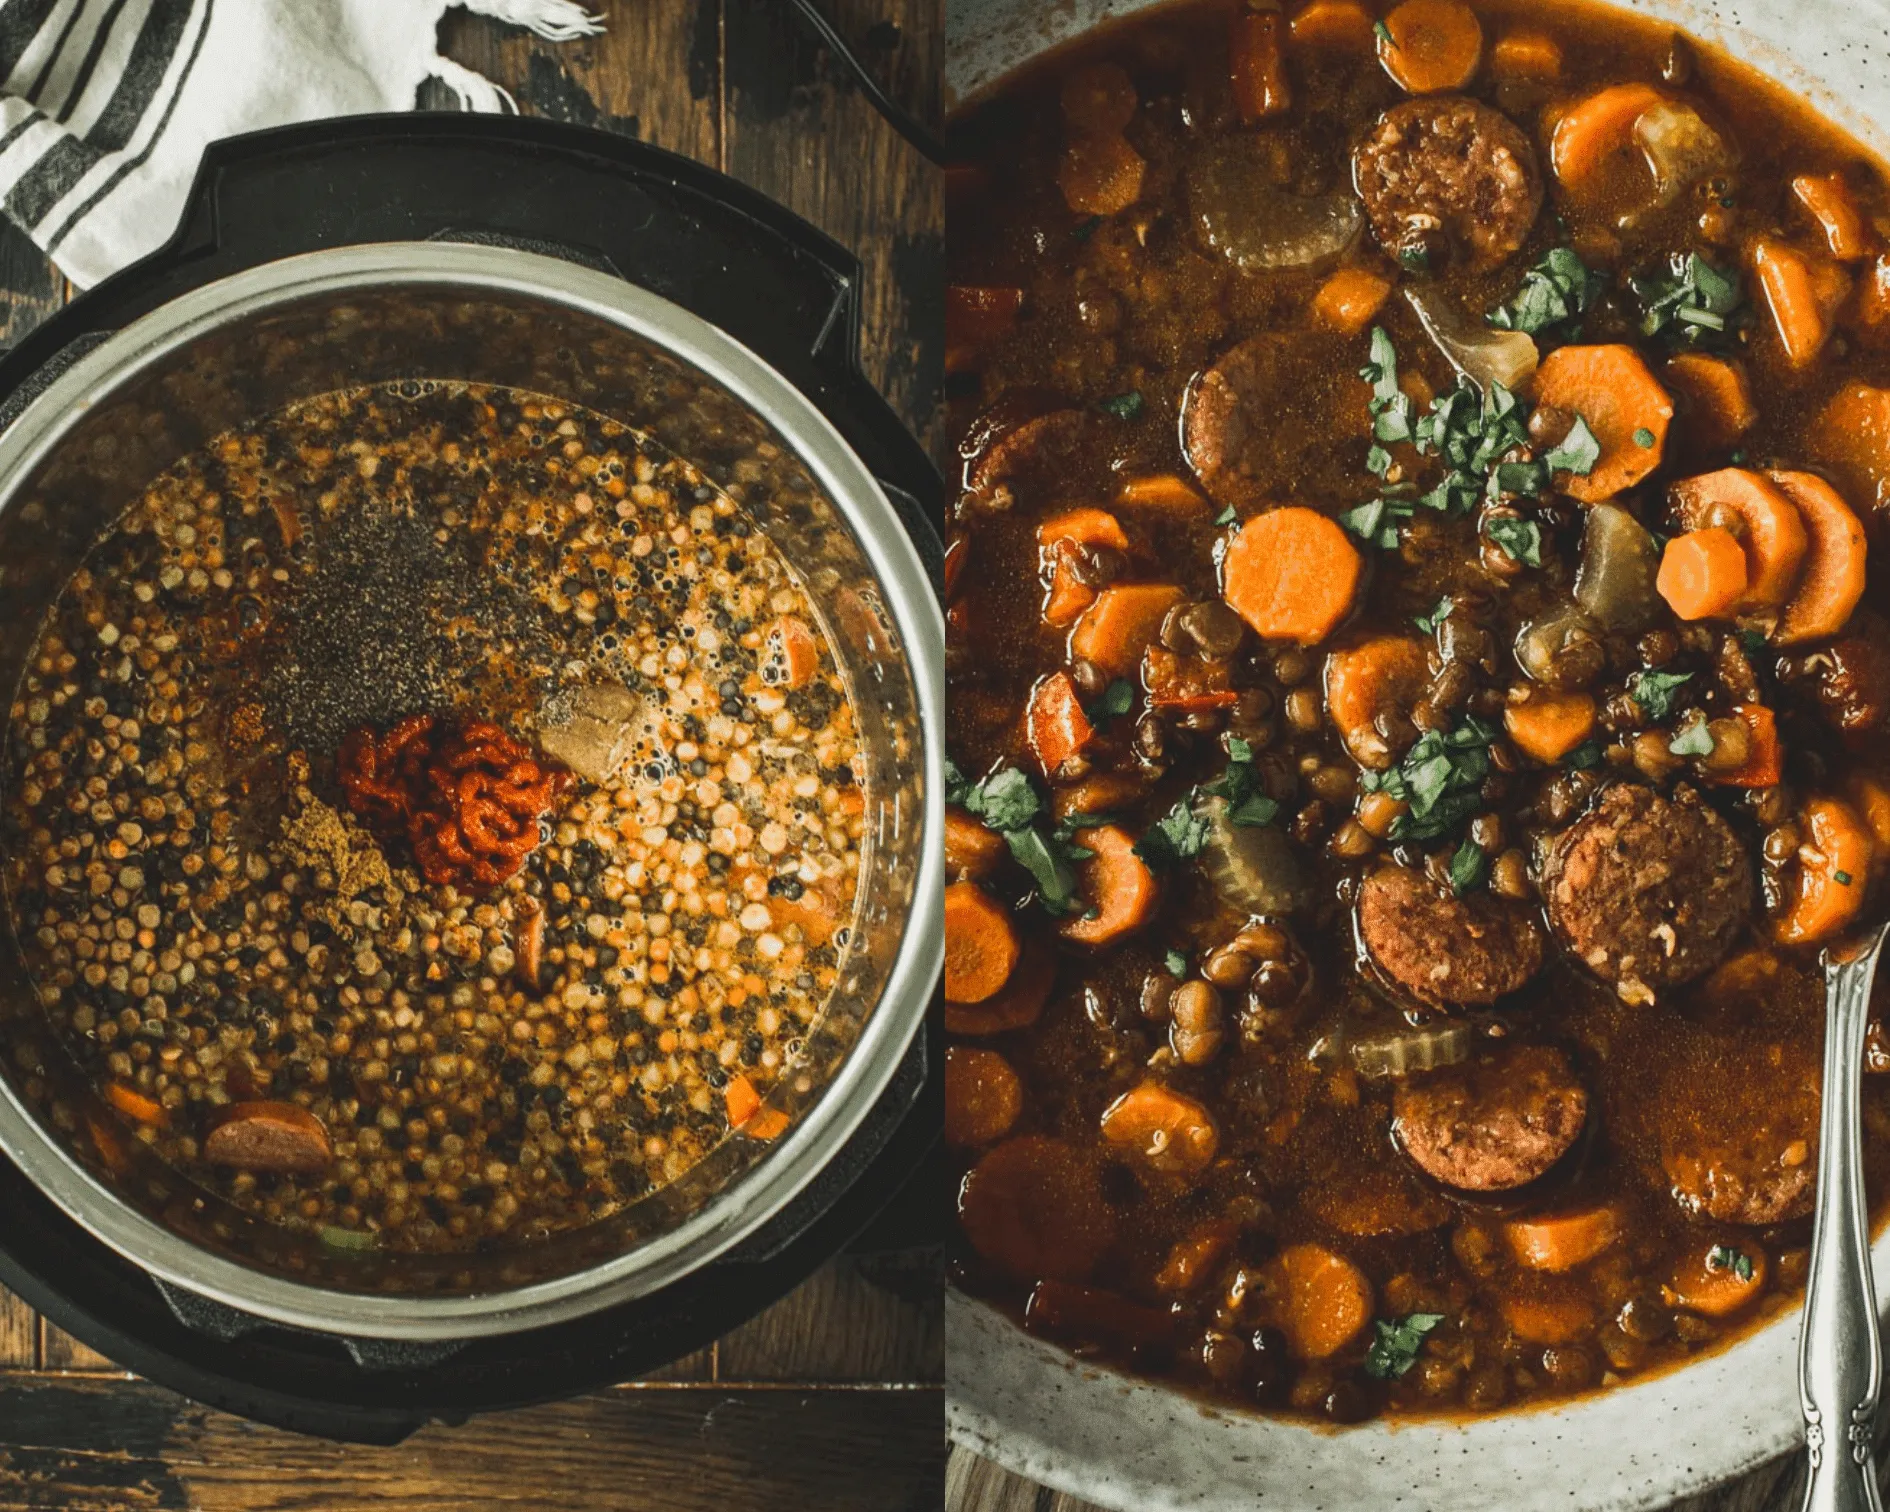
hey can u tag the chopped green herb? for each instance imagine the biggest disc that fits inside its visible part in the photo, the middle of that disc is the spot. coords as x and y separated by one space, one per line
1050 863
1440 779
1737 457
1376 523
1843 878
1655 692
1008 802
1177 836
1520 539
1690 302
1177 964
1395 1344
1227 516
1752 641
1644 438
1725 1257
955 784
1118 698
1428 623
1584 756
1555 293
1469 868
1383 33
1415 258
1694 740
1578 451
1005 800
1085 229
1239 784
1124 406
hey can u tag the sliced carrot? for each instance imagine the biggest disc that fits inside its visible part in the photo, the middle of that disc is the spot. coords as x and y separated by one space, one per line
1593 137
1055 725
1526 57
1100 793
1168 493
136 1106
1871 799
1121 890
1015 1005
1548 1316
793 649
1195 1254
1611 388
741 1099
1319 1299
1833 870
1431 45
1852 436
1702 574
769 1123
1764 766
1760 514
1257 60
1545 725
1292 574
1034 1208
1098 97
1562 1241
971 850
1828 200
1384 675
981 944
976 316
1169 1131
1090 1315
1057 539
983 1096
1347 301
1716 406
1100 174
1114 631
1803 291
1709 1280
1332 26
1833 579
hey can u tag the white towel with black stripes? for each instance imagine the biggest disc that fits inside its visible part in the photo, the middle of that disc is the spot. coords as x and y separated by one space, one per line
106 105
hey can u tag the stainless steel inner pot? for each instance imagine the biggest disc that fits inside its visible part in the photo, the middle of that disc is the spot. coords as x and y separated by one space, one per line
84 446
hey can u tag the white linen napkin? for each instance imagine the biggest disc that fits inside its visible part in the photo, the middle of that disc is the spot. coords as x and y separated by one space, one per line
106 105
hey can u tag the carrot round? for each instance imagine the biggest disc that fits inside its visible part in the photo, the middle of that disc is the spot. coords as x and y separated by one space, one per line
1548 1316
1526 55
1015 1005
1291 574
1319 1299
1100 174
1562 1241
1611 388
1068 595
1833 869
983 1096
1431 45
1702 574
981 945
1595 133
1764 765
1168 493
1055 725
1545 725
1802 291
1034 1208
1384 674
1332 26
1709 1281
795 649
1852 436
1828 200
1114 631
1196 1254
1761 515
1169 1131
1833 579
971 849
1349 298
1871 800
1120 889
1716 406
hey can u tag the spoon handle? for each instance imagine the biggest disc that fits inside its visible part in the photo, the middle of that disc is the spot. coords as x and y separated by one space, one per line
1840 1365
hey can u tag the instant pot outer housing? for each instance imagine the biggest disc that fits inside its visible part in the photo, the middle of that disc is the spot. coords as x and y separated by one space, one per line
451 248
1139 1446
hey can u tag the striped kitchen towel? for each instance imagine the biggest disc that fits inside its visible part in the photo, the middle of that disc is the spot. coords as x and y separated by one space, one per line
106 105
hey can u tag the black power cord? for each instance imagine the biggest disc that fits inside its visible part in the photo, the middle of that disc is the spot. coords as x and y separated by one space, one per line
901 120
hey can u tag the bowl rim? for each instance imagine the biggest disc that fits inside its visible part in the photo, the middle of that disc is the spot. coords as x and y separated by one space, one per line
890 1029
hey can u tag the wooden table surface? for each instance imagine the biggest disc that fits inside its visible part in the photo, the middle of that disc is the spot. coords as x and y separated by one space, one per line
830 1400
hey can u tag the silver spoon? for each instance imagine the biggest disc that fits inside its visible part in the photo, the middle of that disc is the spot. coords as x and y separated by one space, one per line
1840 1361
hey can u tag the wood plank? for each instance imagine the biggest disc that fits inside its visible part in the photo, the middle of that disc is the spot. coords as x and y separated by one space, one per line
98 1446
859 1319
802 133
19 1333
654 73
31 288
58 1350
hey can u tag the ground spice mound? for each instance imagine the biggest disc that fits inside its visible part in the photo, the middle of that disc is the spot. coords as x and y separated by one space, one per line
334 846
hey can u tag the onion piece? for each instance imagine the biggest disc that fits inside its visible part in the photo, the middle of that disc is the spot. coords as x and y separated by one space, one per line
1615 581
1681 149
1477 351
1252 866
1411 1050
1244 210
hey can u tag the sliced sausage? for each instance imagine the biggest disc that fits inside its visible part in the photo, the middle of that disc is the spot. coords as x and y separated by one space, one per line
1649 891
276 1137
1034 1208
1491 1124
1441 948
1446 174
1023 443
1739 1134
1253 428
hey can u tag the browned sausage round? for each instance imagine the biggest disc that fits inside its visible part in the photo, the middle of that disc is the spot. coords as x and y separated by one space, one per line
269 1136
1023 442
1442 948
1649 891
1739 1134
1493 1123
1446 174
1253 428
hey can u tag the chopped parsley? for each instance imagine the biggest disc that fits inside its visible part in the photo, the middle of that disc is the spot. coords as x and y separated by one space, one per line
1520 539
1118 698
1655 692
1428 623
1752 641
1415 258
1227 516
1085 229
1469 868
1395 1344
1644 438
1177 836
1383 33
1124 406
1577 452
1440 779
1842 878
1177 963
1584 756
1694 740
1554 296
1690 302
1008 802
1180 834
1725 1257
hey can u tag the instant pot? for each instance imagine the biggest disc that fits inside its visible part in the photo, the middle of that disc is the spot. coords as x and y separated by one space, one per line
619 277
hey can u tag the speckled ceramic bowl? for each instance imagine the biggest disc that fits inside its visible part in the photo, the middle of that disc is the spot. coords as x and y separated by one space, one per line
1138 1447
